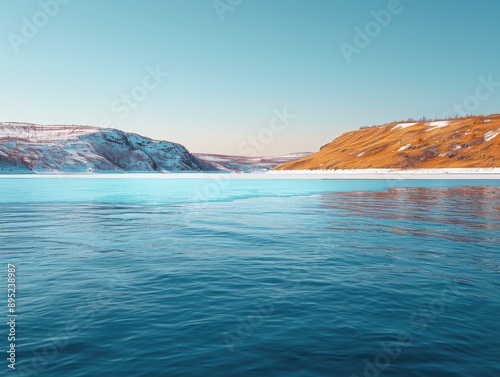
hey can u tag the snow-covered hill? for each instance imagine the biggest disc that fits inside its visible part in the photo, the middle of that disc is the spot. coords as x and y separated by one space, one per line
243 164
27 148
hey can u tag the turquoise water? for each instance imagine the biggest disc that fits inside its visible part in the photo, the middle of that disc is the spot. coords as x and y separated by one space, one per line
217 277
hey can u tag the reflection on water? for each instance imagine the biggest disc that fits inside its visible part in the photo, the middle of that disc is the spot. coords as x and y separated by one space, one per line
425 211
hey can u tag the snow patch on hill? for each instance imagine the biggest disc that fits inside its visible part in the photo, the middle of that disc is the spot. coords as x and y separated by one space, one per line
35 133
404 125
488 136
404 147
438 124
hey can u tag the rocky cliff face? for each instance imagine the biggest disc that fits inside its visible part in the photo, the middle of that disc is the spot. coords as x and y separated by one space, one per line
454 143
26 148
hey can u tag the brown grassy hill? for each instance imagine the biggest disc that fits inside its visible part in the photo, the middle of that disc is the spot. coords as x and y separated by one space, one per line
454 143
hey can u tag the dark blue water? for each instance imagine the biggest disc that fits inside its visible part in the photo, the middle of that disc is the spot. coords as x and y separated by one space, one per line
151 277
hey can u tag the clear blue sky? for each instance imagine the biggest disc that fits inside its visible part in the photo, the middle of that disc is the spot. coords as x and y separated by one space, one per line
227 75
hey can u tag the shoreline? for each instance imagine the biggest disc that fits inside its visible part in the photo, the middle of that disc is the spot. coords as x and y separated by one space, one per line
398 174
353 174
